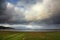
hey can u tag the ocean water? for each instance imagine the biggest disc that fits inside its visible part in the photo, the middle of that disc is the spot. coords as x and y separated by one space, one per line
33 28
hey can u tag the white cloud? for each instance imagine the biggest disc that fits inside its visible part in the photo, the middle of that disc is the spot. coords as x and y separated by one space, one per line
15 12
36 12
9 5
30 12
41 11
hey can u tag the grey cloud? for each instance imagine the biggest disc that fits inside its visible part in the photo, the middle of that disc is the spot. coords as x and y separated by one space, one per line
53 7
18 17
8 14
11 16
3 16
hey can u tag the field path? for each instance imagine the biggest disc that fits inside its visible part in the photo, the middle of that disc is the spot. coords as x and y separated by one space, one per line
17 36
7 35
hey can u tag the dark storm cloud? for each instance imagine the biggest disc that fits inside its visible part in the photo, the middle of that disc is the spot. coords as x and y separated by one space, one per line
3 16
13 15
6 14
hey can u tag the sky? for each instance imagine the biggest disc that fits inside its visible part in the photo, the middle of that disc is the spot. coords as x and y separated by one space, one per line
31 12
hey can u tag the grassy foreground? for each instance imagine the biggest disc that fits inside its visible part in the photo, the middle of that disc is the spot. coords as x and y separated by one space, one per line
6 35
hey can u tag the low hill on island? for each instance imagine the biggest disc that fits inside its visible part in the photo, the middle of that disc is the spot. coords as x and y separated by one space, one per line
2 27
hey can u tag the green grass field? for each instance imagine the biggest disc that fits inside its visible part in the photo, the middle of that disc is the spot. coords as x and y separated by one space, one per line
8 35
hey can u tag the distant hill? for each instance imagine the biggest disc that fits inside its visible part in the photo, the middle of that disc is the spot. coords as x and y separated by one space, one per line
2 27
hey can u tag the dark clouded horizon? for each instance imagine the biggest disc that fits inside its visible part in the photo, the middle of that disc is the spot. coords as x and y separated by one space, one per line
30 12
